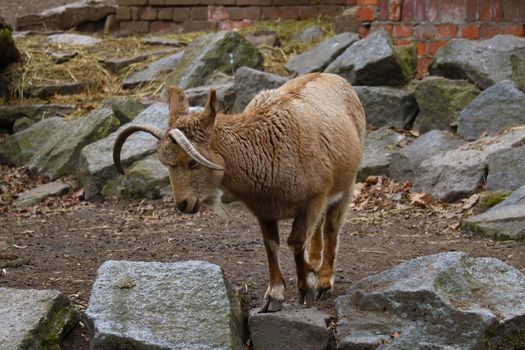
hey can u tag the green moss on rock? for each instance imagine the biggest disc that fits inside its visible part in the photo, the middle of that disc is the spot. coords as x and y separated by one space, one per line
489 199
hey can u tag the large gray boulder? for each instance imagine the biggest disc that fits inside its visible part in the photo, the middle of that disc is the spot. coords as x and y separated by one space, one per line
386 106
379 147
96 160
460 172
404 164
34 319
503 221
446 301
126 110
440 101
500 106
506 168
19 148
151 305
59 155
319 57
10 113
249 82
483 62
216 52
155 71
290 329
375 60
145 178
40 193
68 16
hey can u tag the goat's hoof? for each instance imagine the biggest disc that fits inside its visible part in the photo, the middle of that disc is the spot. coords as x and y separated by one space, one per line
271 305
306 295
321 293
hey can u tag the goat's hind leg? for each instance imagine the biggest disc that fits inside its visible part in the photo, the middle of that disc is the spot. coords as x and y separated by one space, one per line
335 216
274 297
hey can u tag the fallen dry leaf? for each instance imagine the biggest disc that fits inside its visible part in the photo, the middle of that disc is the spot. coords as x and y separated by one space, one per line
420 198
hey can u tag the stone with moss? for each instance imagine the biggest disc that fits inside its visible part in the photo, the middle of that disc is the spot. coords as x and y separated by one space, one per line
482 62
440 101
145 178
375 61
488 199
183 305
223 52
126 110
443 301
60 154
34 319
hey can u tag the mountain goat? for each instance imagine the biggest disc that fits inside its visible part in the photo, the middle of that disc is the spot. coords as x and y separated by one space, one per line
292 153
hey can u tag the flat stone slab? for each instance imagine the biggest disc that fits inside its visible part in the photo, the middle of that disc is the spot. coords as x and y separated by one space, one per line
150 305
290 329
34 319
73 39
447 301
38 194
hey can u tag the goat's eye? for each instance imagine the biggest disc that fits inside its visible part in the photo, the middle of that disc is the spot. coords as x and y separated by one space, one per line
193 164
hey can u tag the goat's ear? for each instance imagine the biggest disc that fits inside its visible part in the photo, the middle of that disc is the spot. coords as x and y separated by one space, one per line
207 116
178 103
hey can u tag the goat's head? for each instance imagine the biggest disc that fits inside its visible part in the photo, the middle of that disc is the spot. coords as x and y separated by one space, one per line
195 170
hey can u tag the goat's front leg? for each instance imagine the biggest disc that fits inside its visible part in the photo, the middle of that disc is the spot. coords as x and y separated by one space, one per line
304 226
274 297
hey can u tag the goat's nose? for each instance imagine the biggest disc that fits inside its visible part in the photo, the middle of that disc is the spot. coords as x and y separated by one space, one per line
182 205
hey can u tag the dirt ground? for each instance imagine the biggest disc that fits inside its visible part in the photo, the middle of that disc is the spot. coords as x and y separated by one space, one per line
10 9
61 243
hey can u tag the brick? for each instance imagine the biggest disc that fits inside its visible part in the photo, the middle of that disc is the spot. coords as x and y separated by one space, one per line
199 13
135 26
422 65
123 13
447 31
199 26
424 31
452 11
521 11
514 29
387 27
402 42
402 31
394 10
181 2
165 14
489 30
433 10
382 7
181 14
252 13
485 10
156 2
253 2
472 10
166 27
419 10
421 47
133 2
366 13
510 10
408 11
497 10
289 12
434 46
269 13
470 31
147 13
290 2
217 2
308 12
234 13
134 13
367 2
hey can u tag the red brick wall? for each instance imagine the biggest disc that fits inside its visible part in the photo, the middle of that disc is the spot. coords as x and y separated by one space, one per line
431 23
206 15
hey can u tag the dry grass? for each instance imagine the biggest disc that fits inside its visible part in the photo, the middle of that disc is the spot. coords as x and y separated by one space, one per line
39 68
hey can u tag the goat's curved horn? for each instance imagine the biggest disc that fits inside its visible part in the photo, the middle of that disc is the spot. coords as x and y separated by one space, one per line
119 142
181 139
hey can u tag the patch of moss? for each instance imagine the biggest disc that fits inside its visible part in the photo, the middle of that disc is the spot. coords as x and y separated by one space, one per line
518 71
489 199
407 56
